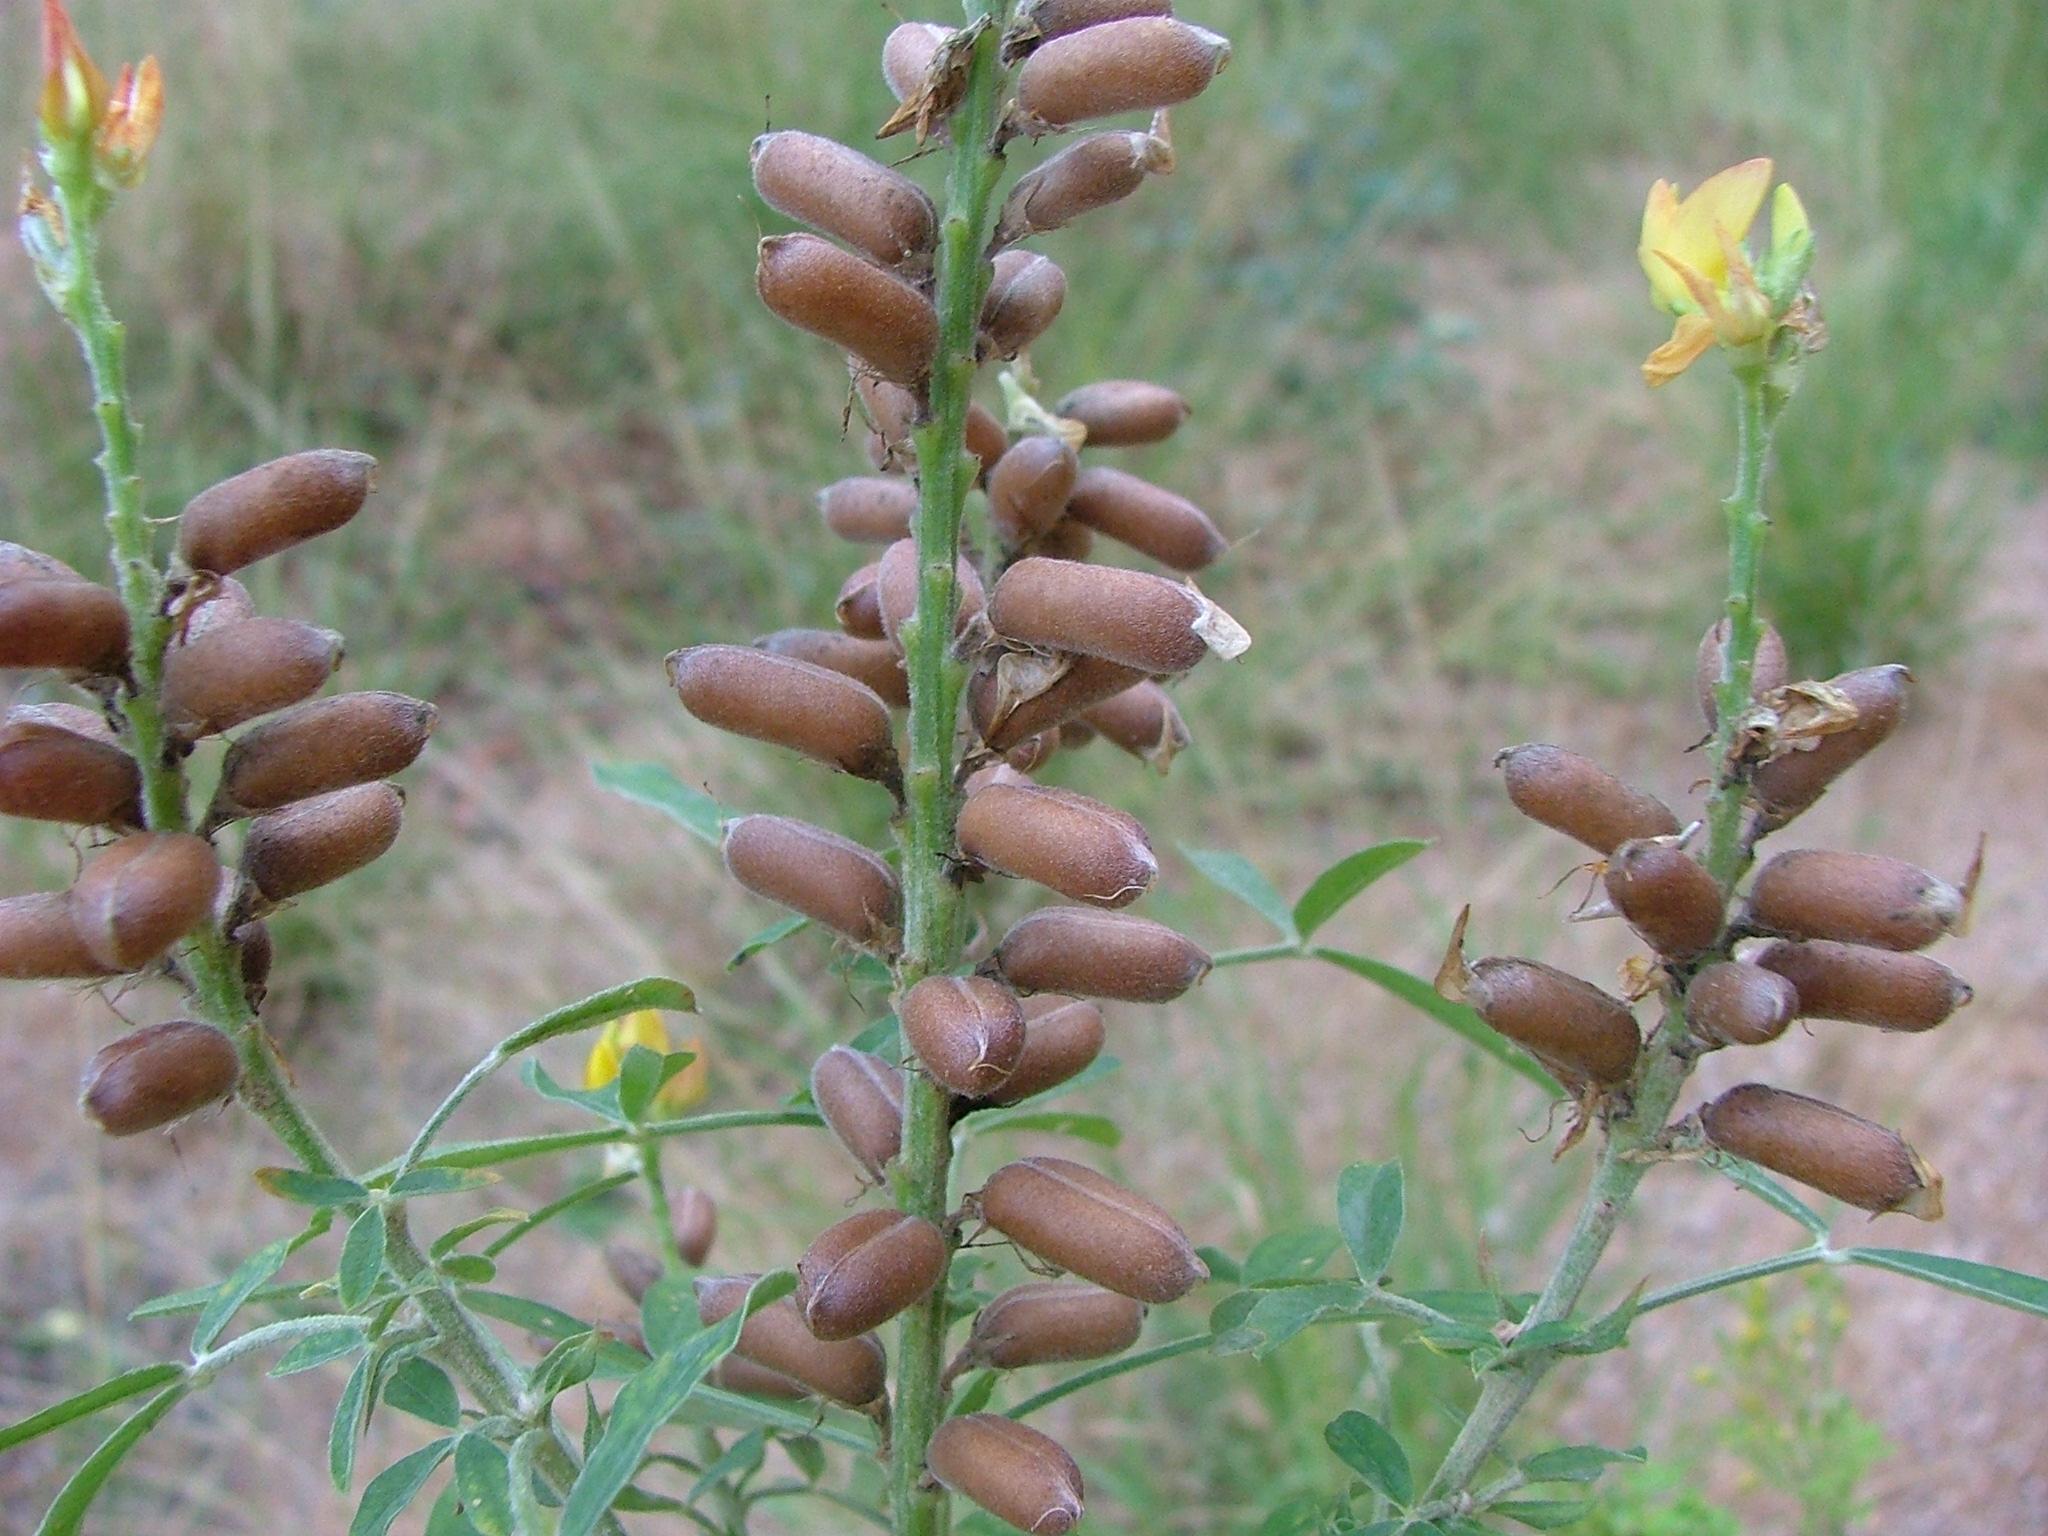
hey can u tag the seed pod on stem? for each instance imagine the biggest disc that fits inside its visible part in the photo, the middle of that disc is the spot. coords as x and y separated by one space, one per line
1011 700
891 410
209 602
1734 1003
696 1217
1018 1475
859 1273
1072 1216
1087 953
859 604
830 879
157 1075
266 510
632 1269
1065 540
1062 1036
1037 20
907 55
841 192
39 941
315 842
849 301
1667 896
1825 1148
823 714
967 1031
736 1373
1787 785
1028 488
852 1372
1049 1321
860 1097
59 762
873 662
239 671
1085 850
1569 1025
1029 755
1122 413
986 438
1025 293
330 744
896 586
1132 617
1091 173
1878 987
1141 64
137 897
1768 673
1146 517
1143 721
1576 796
869 509
50 616
254 954
1853 898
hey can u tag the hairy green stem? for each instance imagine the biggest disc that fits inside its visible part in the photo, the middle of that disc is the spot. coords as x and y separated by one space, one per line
659 1214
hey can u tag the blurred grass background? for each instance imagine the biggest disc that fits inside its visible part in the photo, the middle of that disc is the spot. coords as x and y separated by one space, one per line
507 247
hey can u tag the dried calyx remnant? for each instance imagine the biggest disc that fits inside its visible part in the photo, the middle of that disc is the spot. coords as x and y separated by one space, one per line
307 776
1054 652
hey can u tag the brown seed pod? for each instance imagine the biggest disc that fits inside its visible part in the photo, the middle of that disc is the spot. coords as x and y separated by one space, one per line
849 301
633 1269
869 509
1142 64
311 843
859 1273
239 671
1088 953
1077 733
814 710
1030 754
997 772
1049 1321
1828 1149
50 616
1010 701
1090 173
1146 517
156 1075
1878 987
860 1097
329 744
137 897
1667 896
1768 673
736 1373
1121 413
986 438
907 55
873 662
1085 850
1028 488
1025 293
1143 721
208 602
1075 1218
1018 1475
696 1217
255 952
891 410
967 1031
265 510
1853 898
1037 20
852 1371
39 941
843 193
1733 1003
1065 540
896 582
859 604
59 762
1132 617
830 879
1062 1036
1787 785
1571 1026
1576 796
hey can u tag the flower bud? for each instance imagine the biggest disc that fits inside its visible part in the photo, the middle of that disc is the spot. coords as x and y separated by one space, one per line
157 1074
1085 850
633 1269
1062 1036
842 193
1025 293
39 941
907 55
1143 721
1853 898
1037 20
1050 1321
1009 704
891 410
859 1273
265 510
986 438
1028 488
823 714
1787 785
1088 174
50 616
736 1373
1576 796
1825 1148
873 662
137 897
59 762
1768 673
1733 1003
869 509
830 879
860 1097
1120 66
696 1217
311 843
1018 1475
1569 1025
240 671
852 1372
1087 953
1120 413
859 604
1146 517
128 131
896 584
1075 1218
75 94
1667 896
1878 987
330 744
849 301
967 1031
1132 617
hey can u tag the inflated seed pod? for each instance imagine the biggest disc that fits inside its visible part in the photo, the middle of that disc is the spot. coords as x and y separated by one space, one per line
1031 753
967 1031
209 602
239 671
1017 1474
876 663
869 509
851 1371
1037 20
1091 173
891 410
1120 413
1028 488
851 302
137 897
1072 1216
1734 1003
1049 1321
39 941
1141 64
860 1097
735 1373
1855 1160
814 710
907 54
1077 733
1769 672
985 437
1576 796
1570 1025
1089 953
50 616
1025 293
696 1217
314 842
1065 540
156 1075
1133 617
1667 896
896 581
1005 715
1787 785
1146 517
997 772
268 509
1085 850
859 604
632 1268
329 744
830 879
254 953
1878 987
60 762
860 1272
1853 898
1143 721
841 192
1062 1036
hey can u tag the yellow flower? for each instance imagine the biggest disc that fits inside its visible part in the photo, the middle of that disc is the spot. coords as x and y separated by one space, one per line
1691 251
645 1028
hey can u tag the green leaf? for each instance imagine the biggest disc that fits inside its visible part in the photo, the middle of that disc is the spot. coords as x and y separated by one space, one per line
422 1389
882 1038
1099 1129
1544 1514
599 1101
658 992
640 1074
651 784
417 1183
524 1312
1577 1463
1235 874
446 1518
1222 1267
740 1458
469 1268
455 1236
235 1290
809 1456
126 1385
1371 1206
1330 891
773 934
482 1478
317 1189
1986 1282
172 1303
391 1490
980 1388
569 1364
347 1427
346 1337
66 1516
1278 1316
1607 1332
1363 1444
668 1313
554 1208
1456 1017
1290 1257
1767 1189
362 1259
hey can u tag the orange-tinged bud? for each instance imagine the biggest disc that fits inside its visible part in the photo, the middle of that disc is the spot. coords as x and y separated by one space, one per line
137 897
1071 1216
859 1273
1826 1148
75 93
967 1031
157 1075
1089 953
830 879
128 132
1017 1474
1148 518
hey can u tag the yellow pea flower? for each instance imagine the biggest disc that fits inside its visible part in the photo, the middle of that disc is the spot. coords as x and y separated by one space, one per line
644 1028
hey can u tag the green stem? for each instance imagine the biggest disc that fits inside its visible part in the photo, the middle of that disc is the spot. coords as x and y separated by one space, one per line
1721 1279
659 1214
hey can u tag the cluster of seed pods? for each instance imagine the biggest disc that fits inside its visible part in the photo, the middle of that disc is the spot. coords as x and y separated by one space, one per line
1058 652
1818 934
307 776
